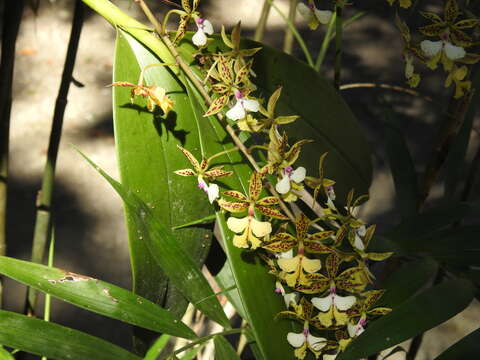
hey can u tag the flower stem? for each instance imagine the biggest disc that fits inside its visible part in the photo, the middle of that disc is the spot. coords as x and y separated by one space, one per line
262 21
297 35
325 42
338 43
288 40
206 338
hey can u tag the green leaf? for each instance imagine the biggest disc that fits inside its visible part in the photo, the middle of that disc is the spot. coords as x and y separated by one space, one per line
401 166
147 156
157 347
181 269
95 295
455 164
54 341
408 233
455 246
466 348
226 280
5 355
415 316
406 282
223 349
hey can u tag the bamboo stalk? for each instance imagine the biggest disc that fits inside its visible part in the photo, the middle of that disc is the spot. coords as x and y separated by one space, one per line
262 21
43 215
11 22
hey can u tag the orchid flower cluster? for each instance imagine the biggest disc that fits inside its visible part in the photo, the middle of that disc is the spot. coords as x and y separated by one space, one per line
447 43
321 266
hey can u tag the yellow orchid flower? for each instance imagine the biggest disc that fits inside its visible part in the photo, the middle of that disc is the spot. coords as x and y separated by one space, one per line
297 266
457 76
251 230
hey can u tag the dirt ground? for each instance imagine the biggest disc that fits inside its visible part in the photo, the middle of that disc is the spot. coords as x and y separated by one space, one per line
91 237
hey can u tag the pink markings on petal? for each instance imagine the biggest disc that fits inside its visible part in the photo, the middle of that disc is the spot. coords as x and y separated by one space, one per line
238 94
288 171
306 332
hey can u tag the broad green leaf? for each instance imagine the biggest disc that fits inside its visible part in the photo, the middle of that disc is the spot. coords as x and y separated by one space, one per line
147 155
5 355
466 348
95 295
455 164
406 281
224 350
415 316
54 341
401 166
180 268
408 233
455 246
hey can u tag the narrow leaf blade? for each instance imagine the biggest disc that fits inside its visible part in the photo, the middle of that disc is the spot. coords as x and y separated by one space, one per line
55 341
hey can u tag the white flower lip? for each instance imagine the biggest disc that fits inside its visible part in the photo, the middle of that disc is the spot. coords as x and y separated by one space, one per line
205 28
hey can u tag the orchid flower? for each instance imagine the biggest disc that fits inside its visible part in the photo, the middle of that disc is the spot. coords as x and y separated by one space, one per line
202 171
239 110
442 50
297 175
211 190
358 328
251 230
297 266
302 341
333 307
312 15
290 298
204 28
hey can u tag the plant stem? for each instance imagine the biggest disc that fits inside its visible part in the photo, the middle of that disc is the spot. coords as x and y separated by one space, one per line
262 21
455 116
51 252
206 338
325 42
200 88
288 40
11 22
43 215
338 43
297 35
